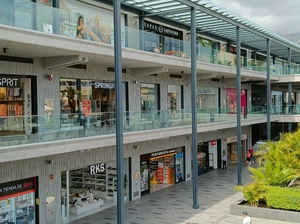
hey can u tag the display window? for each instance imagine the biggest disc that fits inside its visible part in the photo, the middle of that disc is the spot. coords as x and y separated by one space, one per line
161 169
161 39
174 98
231 103
149 97
91 189
207 97
82 99
13 93
17 202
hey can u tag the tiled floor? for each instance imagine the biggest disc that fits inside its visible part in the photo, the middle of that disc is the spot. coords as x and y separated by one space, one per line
174 204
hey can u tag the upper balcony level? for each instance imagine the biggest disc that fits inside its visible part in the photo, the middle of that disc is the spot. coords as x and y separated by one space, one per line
46 23
46 134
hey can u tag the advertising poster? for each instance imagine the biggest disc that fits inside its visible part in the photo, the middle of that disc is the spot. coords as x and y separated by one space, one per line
231 103
86 108
87 22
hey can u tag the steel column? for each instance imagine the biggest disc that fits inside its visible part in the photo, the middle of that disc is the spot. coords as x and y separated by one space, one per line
119 110
290 88
238 99
268 92
290 104
142 33
194 111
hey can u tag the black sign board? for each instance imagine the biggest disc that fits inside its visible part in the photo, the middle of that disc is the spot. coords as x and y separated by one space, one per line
97 168
166 31
9 82
165 152
17 186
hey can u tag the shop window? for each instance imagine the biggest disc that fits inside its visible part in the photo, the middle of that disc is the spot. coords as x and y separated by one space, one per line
17 203
149 97
82 99
174 97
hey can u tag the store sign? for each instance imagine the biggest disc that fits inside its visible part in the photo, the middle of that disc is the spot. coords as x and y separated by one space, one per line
161 153
17 187
106 85
98 168
162 29
234 138
213 142
9 82
205 91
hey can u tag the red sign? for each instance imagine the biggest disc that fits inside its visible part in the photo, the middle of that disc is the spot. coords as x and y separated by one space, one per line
86 108
213 142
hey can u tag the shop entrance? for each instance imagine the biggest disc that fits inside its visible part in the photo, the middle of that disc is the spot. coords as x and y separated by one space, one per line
91 189
161 169
232 148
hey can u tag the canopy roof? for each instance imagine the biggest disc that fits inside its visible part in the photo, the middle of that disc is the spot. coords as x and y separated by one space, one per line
213 19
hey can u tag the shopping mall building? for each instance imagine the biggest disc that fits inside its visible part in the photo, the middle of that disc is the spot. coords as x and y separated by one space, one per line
58 100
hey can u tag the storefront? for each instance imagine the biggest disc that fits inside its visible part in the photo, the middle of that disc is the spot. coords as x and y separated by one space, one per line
231 102
91 189
17 202
85 103
150 95
175 98
16 96
207 97
162 39
202 158
232 148
161 169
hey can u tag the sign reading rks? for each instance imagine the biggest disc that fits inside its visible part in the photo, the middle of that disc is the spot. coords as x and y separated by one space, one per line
97 168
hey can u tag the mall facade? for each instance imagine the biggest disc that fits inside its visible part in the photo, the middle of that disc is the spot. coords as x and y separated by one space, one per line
58 105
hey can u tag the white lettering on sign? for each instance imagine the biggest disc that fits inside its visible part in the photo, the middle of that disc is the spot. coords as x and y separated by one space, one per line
98 168
106 85
163 152
9 82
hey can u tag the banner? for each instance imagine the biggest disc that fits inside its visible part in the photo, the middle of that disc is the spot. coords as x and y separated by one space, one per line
83 21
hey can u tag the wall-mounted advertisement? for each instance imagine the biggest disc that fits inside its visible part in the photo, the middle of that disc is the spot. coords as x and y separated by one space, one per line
88 22
231 100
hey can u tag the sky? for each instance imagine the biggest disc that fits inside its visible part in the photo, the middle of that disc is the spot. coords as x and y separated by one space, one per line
279 16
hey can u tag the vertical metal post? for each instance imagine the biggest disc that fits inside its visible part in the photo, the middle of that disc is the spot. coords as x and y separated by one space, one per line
67 195
238 102
119 111
194 111
268 92
289 103
142 33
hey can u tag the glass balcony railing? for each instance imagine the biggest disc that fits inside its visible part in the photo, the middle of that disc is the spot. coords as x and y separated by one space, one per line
38 17
47 128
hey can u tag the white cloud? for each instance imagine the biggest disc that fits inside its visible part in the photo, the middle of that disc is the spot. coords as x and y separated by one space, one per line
275 15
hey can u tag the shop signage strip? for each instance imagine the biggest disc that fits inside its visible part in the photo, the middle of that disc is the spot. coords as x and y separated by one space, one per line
16 187
97 168
16 194
157 157
9 82
162 153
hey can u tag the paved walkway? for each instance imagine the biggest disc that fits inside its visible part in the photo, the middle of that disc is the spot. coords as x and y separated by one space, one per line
173 205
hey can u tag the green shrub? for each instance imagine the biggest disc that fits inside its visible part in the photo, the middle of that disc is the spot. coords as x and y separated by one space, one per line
253 192
283 198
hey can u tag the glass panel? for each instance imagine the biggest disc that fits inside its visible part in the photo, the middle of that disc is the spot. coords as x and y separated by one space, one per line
174 97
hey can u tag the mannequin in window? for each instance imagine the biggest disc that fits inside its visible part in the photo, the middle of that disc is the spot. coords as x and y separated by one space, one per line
74 104
65 101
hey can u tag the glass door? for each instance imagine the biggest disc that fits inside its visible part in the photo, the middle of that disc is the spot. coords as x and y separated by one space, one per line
145 177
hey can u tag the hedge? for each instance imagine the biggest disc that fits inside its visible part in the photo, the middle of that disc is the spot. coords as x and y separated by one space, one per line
283 198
